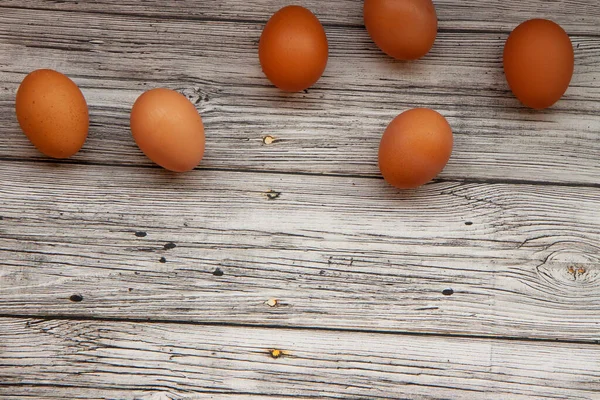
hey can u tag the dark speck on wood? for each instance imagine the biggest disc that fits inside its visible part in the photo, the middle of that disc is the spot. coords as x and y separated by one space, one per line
468 223
170 246
448 292
163 260
141 234
218 272
76 298
272 195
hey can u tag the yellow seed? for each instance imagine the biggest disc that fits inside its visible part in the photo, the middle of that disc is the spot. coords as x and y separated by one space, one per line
275 353
272 302
268 139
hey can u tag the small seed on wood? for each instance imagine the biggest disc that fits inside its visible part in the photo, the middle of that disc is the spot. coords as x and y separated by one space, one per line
272 302
268 139
275 353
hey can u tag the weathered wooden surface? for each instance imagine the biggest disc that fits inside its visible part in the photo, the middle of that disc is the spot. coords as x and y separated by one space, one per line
351 251
578 16
294 242
335 128
130 358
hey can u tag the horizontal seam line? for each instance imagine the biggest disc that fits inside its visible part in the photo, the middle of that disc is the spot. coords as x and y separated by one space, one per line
492 181
297 328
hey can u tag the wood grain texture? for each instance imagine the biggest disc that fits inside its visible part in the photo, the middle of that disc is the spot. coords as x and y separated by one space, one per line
347 253
577 16
170 361
152 286
335 128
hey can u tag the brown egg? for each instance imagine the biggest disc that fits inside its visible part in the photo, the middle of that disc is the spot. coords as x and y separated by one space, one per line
168 129
52 113
293 49
415 148
403 29
538 62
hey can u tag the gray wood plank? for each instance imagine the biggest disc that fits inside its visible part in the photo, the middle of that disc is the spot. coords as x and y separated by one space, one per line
53 392
171 361
334 128
348 253
577 16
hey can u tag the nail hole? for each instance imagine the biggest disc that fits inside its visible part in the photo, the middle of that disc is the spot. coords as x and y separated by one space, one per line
163 260
468 223
76 298
218 272
448 292
170 246
141 234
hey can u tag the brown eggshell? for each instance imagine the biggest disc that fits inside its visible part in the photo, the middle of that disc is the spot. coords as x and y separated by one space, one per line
52 113
415 148
293 49
538 62
168 129
403 29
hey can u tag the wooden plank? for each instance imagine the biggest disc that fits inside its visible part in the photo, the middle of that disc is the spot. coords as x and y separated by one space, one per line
349 253
171 361
577 16
114 58
52 392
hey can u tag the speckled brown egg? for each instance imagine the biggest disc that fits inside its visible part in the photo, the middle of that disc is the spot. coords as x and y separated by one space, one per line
52 113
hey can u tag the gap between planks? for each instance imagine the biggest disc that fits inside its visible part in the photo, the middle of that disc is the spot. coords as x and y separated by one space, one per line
150 321
445 179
